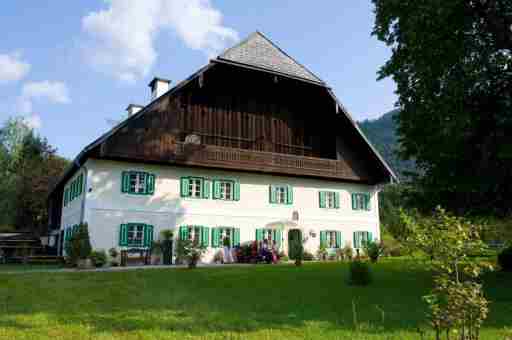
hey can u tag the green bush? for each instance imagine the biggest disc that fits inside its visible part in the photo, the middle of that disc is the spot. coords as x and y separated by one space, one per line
360 274
98 258
505 259
373 250
78 247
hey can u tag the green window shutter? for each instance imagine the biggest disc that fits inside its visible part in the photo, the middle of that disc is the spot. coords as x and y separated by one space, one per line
206 188
215 243
370 236
354 241
337 200
338 239
236 196
289 194
272 194
236 237
66 194
150 184
123 235
354 206
323 238
205 231
184 182
125 182
184 233
216 189
72 191
81 184
148 235
367 202
259 235
322 199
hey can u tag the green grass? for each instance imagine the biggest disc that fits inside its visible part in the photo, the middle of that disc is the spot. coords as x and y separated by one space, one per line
27 267
261 302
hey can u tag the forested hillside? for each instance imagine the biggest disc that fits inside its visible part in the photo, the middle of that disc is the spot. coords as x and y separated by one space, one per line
382 134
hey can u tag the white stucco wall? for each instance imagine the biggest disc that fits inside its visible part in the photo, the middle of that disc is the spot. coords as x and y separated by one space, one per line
106 208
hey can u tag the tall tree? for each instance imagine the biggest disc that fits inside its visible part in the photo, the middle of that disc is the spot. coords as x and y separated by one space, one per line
29 167
452 62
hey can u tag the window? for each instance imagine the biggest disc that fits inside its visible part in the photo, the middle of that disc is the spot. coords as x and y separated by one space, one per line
136 182
195 187
136 235
281 194
361 201
74 189
269 235
219 234
195 233
330 238
361 237
329 199
228 190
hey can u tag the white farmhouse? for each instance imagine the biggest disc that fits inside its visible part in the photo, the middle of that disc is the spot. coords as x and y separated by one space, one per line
252 146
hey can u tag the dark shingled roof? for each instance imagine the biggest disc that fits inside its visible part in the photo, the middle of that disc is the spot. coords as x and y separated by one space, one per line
257 50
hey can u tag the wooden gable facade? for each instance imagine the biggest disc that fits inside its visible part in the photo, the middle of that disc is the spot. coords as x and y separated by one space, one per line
232 117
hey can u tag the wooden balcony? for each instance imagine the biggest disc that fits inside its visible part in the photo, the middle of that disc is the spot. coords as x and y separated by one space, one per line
241 159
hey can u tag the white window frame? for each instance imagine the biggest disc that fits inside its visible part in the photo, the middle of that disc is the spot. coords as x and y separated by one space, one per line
227 189
194 234
281 194
330 199
195 187
137 235
137 182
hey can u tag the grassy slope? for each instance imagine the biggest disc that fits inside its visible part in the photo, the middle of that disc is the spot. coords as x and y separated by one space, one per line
263 302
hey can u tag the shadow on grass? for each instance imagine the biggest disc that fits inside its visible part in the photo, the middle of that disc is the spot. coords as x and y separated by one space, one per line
236 299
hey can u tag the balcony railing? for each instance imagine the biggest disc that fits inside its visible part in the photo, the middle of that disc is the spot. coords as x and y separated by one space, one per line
217 156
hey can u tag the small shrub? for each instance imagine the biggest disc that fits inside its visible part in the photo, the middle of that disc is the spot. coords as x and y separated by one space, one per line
113 253
189 252
360 274
98 258
505 259
322 252
373 250
78 247
167 234
348 252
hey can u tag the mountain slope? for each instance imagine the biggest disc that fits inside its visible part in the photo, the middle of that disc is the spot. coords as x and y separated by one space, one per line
382 134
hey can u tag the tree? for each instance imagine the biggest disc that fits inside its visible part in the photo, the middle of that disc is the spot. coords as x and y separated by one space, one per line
29 167
452 63
457 303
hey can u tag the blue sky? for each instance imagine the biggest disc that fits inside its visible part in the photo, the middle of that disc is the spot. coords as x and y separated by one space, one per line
70 66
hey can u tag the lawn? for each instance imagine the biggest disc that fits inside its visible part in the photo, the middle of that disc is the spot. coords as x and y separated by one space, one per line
261 302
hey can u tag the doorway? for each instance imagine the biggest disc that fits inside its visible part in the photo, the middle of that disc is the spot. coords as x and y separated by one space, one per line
294 240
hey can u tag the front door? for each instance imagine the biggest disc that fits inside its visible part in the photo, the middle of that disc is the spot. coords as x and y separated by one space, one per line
294 240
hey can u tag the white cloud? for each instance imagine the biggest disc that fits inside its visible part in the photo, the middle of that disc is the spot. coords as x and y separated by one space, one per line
54 91
12 68
33 121
121 37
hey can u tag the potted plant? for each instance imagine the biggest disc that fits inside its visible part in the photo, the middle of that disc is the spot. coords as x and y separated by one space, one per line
113 255
191 252
322 252
78 248
156 253
98 258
